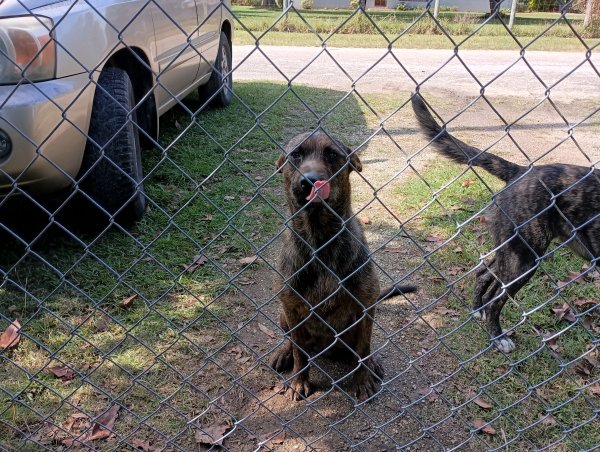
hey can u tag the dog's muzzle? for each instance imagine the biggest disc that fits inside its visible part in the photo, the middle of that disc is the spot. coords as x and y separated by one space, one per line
314 189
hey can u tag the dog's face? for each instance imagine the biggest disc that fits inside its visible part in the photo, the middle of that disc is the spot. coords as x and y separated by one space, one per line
316 170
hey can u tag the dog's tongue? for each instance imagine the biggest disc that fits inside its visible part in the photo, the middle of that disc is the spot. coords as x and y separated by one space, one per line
319 191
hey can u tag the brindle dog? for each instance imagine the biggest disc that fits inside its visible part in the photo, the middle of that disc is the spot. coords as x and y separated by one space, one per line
329 283
538 204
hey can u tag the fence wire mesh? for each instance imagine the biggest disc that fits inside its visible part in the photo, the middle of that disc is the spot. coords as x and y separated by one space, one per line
142 272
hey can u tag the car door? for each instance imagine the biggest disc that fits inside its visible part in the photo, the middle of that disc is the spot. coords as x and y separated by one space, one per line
176 30
209 17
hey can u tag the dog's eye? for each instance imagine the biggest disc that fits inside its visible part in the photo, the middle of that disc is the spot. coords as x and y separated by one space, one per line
331 155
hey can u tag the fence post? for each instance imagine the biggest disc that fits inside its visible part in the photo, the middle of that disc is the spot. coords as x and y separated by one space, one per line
436 8
513 11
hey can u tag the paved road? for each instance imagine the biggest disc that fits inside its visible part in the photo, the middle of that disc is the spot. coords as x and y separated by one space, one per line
377 70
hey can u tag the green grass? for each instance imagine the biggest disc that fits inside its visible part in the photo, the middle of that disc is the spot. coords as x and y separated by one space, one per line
213 192
445 196
408 29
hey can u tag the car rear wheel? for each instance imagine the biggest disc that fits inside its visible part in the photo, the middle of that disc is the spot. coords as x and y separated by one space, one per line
220 84
111 171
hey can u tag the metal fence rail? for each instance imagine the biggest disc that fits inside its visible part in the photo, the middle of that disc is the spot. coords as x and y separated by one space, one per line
155 331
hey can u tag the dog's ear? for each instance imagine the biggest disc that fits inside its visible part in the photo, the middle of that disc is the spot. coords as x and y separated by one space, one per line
279 163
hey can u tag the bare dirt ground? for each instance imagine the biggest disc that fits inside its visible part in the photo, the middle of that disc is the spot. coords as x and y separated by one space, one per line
407 413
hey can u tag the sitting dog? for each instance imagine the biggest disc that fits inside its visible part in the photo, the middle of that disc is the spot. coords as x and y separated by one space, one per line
329 286
538 204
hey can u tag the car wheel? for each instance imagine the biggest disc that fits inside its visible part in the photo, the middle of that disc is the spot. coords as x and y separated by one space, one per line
111 170
220 84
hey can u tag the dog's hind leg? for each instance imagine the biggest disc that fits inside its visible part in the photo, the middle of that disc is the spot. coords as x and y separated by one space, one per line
484 278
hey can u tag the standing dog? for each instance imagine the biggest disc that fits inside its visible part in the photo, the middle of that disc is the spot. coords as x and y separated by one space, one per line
329 284
537 205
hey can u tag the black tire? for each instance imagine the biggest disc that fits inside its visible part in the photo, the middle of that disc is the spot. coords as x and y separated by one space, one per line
111 171
220 83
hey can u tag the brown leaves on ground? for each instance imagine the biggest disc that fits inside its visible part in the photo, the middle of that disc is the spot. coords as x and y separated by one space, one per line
595 389
467 183
431 393
63 373
104 425
563 311
212 435
245 261
11 337
481 425
482 403
128 302
548 420
198 261
267 331
272 439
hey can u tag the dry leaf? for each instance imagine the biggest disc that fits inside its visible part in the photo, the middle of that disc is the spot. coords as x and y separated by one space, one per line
128 302
434 238
258 178
198 261
177 125
467 183
12 308
484 427
101 324
595 388
458 249
482 403
11 337
212 435
272 439
228 198
585 302
245 281
245 261
563 312
142 444
64 373
446 311
394 249
364 220
103 427
267 331
582 369
553 344
548 420
208 217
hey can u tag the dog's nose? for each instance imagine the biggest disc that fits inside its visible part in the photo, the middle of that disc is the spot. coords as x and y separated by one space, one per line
307 181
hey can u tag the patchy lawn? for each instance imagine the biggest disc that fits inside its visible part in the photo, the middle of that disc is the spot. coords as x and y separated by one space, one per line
172 321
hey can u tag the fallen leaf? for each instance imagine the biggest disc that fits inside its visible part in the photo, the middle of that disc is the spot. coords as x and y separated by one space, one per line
585 302
454 270
458 249
548 420
141 444
484 427
446 311
258 178
553 344
392 249
563 312
482 403
267 331
64 373
467 183
12 308
103 427
364 220
228 198
177 125
11 337
128 302
582 369
248 161
101 324
208 217
271 439
212 435
245 261
595 388
245 281
198 261
434 238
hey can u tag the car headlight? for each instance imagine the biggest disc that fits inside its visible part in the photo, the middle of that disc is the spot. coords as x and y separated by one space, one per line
27 50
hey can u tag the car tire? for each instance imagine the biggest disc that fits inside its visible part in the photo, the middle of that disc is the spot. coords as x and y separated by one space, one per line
220 84
111 171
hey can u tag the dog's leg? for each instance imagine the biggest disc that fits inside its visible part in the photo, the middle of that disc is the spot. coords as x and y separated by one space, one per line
365 379
514 267
300 386
283 359
483 279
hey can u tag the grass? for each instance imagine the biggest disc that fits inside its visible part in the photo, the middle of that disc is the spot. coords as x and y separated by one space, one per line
209 193
534 372
217 197
409 29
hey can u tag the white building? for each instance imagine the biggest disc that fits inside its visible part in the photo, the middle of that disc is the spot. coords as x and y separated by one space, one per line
460 5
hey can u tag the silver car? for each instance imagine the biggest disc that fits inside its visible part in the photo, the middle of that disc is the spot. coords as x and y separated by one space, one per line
82 85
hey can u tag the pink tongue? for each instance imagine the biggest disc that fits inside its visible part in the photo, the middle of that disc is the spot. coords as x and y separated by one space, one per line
319 191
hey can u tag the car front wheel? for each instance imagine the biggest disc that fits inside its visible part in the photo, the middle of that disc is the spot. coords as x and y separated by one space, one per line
111 171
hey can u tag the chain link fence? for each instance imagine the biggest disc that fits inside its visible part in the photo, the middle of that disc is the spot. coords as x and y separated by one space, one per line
140 266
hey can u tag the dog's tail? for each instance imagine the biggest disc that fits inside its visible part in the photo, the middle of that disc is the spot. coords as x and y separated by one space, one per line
392 291
459 151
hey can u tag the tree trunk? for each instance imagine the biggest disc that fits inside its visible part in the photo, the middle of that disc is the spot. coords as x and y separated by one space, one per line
592 8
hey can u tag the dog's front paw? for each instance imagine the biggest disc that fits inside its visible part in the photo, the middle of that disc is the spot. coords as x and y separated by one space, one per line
300 388
505 345
283 359
367 378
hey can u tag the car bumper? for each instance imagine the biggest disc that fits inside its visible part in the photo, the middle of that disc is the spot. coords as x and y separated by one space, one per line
46 123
